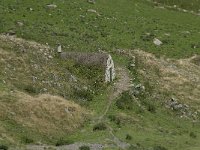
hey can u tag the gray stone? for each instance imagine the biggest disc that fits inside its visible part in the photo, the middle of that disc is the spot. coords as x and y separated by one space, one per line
92 10
59 49
178 107
51 6
20 24
132 65
73 78
91 1
157 42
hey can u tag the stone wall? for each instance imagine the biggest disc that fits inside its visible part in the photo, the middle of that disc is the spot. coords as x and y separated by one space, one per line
93 59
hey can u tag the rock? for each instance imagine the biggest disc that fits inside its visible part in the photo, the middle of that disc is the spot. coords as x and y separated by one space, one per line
137 89
140 87
20 24
132 65
91 1
178 107
131 85
59 49
13 113
93 11
167 34
50 57
157 42
73 78
51 6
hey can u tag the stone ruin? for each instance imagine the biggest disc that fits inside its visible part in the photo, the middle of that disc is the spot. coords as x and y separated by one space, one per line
102 60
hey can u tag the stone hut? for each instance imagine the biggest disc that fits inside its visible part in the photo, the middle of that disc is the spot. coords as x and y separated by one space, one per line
102 60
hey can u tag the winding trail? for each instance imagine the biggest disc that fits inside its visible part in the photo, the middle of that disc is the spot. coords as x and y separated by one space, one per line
122 84
119 87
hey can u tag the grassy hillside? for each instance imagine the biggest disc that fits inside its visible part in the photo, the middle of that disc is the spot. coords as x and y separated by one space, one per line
25 119
113 24
153 103
185 4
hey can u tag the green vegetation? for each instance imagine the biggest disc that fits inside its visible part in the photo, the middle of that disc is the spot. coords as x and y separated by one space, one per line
84 148
138 116
185 4
63 141
3 147
124 25
100 126
125 101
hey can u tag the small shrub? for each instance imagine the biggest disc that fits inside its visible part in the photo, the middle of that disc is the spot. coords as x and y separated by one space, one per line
100 126
151 108
193 135
62 141
30 89
135 147
83 94
3 147
84 147
128 137
125 101
27 140
115 119
159 148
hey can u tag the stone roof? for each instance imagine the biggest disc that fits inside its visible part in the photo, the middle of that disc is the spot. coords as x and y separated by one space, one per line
86 58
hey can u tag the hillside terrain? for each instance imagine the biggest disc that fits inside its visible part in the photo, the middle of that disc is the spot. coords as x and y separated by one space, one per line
50 103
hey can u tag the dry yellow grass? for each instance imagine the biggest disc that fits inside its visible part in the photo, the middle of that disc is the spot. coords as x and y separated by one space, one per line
45 114
180 77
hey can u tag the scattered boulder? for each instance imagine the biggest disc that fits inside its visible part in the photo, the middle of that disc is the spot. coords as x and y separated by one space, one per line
182 109
93 11
20 24
137 89
91 1
59 49
157 42
73 78
51 6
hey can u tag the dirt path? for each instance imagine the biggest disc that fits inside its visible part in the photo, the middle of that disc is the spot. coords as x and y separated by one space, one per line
120 86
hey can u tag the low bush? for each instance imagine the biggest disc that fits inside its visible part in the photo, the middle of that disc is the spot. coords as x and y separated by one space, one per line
193 135
100 126
27 140
83 94
135 147
84 147
63 141
3 147
125 101
151 108
159 148
115 119
128 137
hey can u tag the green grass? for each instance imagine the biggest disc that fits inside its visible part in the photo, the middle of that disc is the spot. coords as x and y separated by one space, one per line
122 24
185 4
